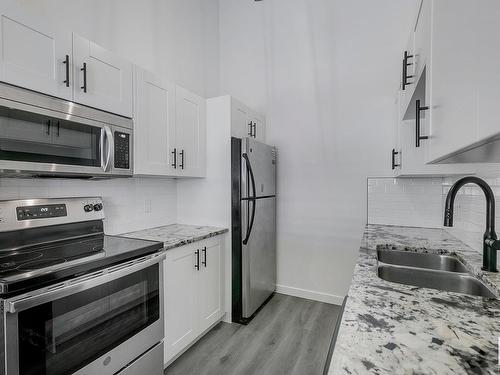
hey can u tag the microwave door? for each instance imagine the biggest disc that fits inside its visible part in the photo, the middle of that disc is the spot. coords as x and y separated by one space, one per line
37 140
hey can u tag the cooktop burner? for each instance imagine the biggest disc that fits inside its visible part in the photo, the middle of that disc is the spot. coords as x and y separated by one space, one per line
11 262
40 263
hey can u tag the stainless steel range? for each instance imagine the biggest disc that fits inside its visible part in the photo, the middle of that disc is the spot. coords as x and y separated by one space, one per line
74 300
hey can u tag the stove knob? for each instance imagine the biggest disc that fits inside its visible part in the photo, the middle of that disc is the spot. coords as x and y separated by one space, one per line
88 208
98 207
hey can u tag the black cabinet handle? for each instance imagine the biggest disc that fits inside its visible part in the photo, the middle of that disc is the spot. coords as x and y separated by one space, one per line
254 129
406 64
204 257
66 62
418 109
394 153
58 128
250 129
84 70
48 127
182 159
174 152
197 265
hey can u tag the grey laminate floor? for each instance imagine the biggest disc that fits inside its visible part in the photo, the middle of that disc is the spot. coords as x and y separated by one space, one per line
289 336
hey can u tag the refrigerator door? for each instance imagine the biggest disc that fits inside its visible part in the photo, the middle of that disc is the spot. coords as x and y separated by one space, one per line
261 161
258 254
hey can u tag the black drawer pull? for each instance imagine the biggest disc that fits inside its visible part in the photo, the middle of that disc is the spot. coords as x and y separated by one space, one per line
66 61
84 70
182 159
418 109
394 153
197 265
174 153
204 257
406 64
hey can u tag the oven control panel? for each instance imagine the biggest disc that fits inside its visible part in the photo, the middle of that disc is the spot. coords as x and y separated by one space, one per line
30 213
41 211
122 150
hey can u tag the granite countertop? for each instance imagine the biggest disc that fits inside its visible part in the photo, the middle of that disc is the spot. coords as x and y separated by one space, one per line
176 235
390 328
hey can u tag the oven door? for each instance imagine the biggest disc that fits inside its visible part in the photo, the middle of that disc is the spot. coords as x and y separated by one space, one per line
41 141
96 324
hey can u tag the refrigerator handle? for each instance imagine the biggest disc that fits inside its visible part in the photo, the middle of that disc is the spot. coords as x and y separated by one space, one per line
252 198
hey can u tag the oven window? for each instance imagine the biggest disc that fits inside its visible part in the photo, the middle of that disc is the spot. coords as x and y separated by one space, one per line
31 137
64 335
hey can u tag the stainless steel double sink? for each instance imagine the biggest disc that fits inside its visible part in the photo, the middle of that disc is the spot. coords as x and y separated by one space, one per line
442 272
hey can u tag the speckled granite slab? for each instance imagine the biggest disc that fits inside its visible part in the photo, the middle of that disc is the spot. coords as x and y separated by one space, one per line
176 235
390 328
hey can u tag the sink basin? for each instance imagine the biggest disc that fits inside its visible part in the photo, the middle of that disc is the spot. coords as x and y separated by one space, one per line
421 260
442 280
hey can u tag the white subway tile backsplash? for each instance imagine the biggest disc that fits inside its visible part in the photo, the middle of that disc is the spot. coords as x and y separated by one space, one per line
129 203
420 202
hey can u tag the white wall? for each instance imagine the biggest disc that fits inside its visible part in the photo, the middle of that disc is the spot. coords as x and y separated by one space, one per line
325 73
176 38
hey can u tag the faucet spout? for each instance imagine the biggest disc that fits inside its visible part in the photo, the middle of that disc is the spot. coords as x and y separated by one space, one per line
490 243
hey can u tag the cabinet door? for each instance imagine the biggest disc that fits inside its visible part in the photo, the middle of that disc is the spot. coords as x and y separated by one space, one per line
210 283
154 130
454 76
259 132
488 80
240 120
34 55
181 296
422 38
190 133
102 79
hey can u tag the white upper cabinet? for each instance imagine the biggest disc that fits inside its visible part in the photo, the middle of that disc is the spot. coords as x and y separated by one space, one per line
40 57
190 133
35 55
456 82
241 124
422 38
245 122
154 125
102 79
465 81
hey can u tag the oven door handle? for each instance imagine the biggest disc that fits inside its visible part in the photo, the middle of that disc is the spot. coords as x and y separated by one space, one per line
92 280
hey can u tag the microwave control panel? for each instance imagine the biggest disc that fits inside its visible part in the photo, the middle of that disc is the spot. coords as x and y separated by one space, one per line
122 150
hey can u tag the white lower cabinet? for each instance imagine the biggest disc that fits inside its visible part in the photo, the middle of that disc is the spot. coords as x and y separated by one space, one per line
193 293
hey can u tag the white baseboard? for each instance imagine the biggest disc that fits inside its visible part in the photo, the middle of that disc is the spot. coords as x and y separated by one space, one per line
310 294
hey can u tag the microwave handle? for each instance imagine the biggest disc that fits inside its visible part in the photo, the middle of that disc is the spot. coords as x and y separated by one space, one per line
92 280
108 141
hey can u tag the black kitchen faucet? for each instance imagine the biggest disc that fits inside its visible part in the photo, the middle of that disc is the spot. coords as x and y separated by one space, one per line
490 242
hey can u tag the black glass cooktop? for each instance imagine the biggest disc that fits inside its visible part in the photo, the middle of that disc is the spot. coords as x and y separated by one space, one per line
31 267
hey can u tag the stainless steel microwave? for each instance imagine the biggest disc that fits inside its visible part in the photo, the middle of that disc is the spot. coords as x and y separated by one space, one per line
45 136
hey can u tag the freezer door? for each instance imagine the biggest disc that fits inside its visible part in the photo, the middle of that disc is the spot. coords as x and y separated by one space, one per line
262 163
258 254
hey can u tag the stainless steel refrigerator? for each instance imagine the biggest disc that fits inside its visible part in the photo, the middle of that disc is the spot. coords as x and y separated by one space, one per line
253 226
